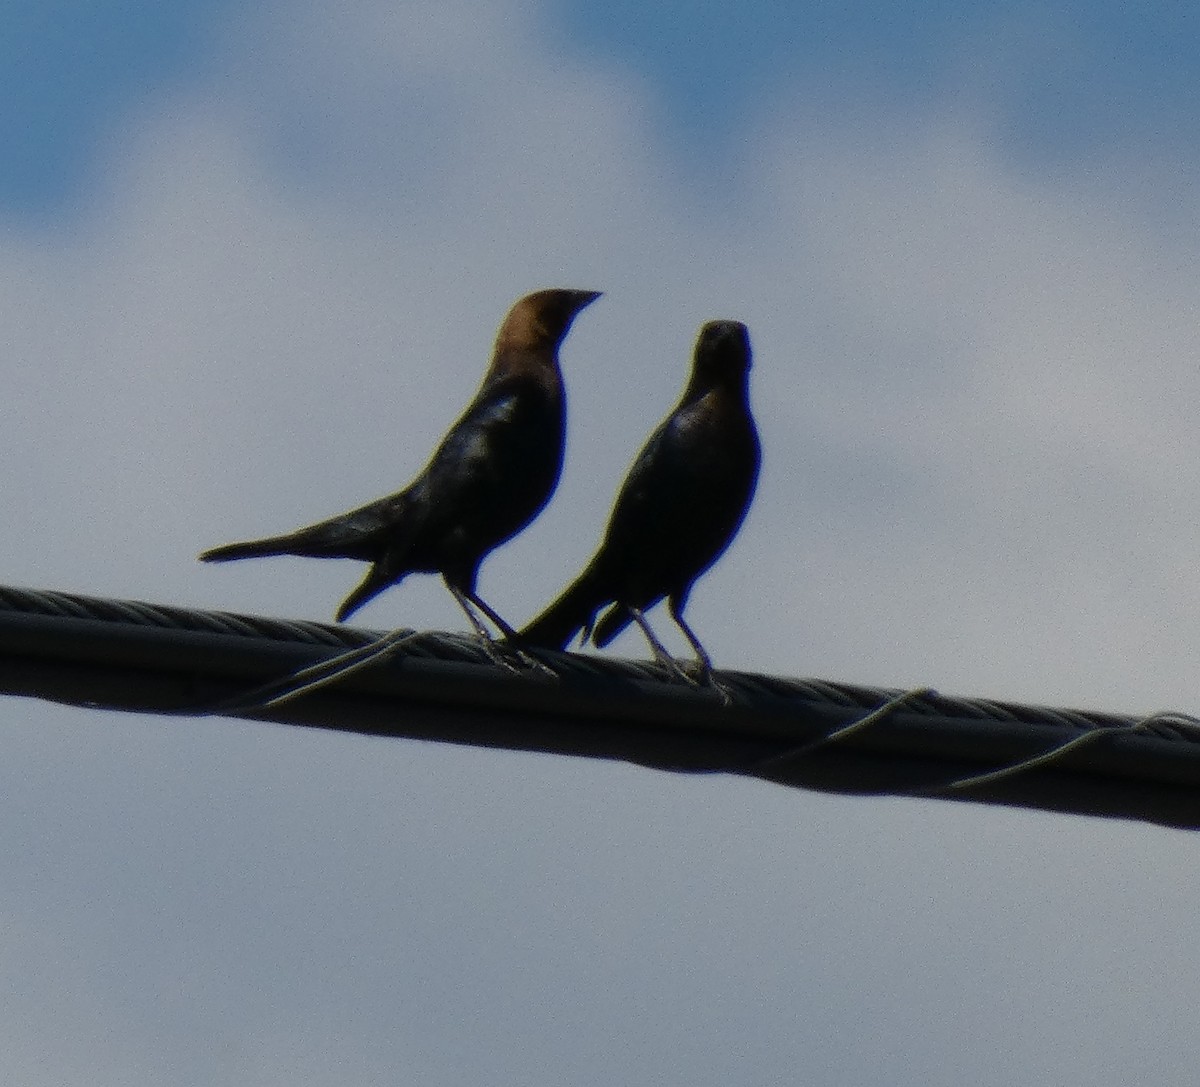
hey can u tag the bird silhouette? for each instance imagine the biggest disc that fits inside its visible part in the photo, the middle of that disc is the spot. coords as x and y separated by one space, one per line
677 511
492 474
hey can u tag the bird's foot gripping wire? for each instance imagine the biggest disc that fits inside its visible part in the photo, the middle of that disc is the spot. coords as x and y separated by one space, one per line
701 667
496 652
706 679
684 671
503 654
697 673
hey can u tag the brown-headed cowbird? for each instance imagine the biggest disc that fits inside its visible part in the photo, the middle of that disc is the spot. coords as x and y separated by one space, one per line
491 475
680 506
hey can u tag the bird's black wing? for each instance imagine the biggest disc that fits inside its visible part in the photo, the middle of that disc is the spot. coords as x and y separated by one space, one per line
496 467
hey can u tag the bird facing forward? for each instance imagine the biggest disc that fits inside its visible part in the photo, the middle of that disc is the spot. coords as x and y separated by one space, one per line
491 475
680 506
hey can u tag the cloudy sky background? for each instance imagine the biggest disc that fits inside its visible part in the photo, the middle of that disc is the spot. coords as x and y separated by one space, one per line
251 264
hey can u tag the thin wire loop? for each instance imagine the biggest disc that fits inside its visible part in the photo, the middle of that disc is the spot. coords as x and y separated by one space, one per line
861 724
1036 762
307 680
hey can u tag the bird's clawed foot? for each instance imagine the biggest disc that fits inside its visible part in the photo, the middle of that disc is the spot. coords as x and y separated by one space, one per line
678 669
697 674
708 679
512 658
494 653
533 664
500 653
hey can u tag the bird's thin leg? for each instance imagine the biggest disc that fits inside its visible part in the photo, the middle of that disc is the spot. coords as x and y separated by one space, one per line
490 647
702 657
510 635
491 613
464 602
660 653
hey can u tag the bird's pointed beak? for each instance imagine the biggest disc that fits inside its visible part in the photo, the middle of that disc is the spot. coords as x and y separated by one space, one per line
585 298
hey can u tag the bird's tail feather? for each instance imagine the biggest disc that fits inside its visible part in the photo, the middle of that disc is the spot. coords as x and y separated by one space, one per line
612 622
249 549
572 612
378 578
348 536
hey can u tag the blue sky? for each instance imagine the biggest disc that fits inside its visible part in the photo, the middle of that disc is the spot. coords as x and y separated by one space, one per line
1062 84
70 71
252 259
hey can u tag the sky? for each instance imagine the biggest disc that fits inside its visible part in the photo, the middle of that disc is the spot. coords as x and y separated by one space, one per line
252 258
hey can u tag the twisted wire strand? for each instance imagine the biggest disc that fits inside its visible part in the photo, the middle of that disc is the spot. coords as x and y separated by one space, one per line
137 613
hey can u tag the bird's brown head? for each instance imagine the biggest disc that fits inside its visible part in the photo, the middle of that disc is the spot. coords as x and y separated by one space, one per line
722 352
542 319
